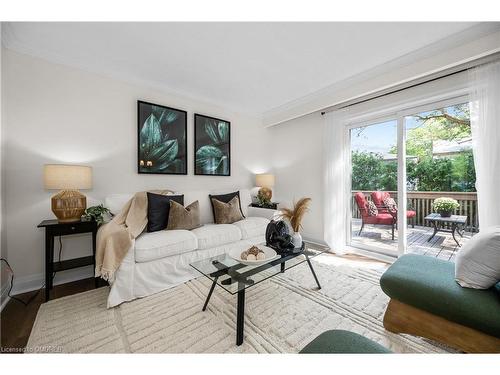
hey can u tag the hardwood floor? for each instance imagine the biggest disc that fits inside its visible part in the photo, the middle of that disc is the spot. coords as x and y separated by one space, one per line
16 320
442 246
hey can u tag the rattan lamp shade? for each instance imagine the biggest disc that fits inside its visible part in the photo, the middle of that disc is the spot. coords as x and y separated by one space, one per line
69 204
67 177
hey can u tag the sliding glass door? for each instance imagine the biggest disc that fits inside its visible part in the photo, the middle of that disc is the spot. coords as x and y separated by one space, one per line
398 167
374 174
440 164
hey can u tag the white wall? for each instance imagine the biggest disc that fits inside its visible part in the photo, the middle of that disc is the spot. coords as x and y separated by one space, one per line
4 277
58 114
297 161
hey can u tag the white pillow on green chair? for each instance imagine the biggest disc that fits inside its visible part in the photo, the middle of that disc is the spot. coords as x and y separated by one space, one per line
478 262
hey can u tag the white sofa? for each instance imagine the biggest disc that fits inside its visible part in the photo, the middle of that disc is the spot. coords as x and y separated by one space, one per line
160 260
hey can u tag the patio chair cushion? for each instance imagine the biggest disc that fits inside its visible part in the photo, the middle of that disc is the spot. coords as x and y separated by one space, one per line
429 284
410 214
339 341
386 219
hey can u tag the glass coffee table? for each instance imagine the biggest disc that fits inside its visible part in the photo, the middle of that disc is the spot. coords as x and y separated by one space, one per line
235 277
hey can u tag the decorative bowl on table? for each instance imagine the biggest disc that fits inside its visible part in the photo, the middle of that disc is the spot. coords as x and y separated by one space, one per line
254 256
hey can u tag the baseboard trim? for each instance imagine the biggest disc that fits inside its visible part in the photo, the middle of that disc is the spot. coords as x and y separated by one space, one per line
35 282
315 241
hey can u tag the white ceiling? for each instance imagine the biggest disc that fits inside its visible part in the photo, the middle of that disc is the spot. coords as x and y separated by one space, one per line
249 67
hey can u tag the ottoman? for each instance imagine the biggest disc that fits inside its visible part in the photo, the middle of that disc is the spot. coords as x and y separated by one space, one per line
339 341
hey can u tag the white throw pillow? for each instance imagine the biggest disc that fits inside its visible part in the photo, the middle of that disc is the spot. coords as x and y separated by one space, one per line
478 262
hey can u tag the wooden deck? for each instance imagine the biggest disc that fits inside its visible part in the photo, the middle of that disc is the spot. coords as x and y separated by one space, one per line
442 246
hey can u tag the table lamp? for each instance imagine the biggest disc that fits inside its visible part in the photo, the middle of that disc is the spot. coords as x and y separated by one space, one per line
69 204
266 182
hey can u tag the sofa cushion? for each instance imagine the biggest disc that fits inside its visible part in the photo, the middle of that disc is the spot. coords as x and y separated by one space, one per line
252 227
429 284
164 243
213 235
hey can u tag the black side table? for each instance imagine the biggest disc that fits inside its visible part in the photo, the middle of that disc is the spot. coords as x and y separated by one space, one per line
270 206
53 229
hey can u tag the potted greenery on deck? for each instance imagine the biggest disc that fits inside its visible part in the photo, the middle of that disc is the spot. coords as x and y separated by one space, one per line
445 206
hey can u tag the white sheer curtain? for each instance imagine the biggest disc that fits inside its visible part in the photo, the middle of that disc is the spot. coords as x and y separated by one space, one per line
335 181
485 126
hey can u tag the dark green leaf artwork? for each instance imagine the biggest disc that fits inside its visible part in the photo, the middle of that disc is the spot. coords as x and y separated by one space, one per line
212 146
162 139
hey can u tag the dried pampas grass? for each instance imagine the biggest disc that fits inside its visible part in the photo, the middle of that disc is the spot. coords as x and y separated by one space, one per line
295 215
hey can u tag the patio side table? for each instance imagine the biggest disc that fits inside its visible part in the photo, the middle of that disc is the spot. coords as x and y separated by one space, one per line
457 223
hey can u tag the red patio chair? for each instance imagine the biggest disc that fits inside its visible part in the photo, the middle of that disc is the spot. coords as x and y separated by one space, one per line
378 198
382 218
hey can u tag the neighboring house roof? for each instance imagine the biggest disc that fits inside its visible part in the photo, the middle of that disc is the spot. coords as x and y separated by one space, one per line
442 147
390 157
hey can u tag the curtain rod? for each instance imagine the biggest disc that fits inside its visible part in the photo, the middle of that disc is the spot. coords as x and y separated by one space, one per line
414 83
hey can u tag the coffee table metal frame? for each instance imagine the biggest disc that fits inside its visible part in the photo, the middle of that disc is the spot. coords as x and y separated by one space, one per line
457 222
244 280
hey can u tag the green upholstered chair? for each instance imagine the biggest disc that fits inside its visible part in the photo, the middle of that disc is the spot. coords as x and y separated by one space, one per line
339 341
426 301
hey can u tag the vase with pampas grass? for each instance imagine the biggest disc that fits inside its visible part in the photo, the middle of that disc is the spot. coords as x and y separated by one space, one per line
294 216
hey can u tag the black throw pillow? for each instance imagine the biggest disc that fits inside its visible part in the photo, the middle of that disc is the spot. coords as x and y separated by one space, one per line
225 198
158 210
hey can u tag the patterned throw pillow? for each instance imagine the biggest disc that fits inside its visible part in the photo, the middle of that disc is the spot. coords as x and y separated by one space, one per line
227 213
372 209
390 203
181 217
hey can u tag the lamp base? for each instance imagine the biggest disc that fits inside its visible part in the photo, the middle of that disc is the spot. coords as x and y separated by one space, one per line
69 206
265 194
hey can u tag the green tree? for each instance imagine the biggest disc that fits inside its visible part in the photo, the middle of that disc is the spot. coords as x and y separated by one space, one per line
449 124
371 172
464 173
366 169
389 178
430 174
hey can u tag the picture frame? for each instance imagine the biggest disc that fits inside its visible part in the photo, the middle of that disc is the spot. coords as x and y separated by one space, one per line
212 146
161 139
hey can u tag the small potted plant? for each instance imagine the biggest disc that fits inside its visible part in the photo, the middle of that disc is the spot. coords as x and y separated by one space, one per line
445 206
97 213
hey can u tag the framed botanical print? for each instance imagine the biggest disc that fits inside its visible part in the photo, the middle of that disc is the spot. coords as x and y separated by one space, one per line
212 146
162 147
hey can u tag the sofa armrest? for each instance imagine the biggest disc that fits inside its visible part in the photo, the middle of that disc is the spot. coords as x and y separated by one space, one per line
262 212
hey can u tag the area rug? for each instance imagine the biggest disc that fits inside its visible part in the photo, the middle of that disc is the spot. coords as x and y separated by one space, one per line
282 315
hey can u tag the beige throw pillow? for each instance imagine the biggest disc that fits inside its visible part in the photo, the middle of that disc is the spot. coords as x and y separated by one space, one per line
181 217
227 213
477 264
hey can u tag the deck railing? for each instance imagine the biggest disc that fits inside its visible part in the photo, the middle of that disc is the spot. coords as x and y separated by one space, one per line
421 203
